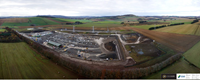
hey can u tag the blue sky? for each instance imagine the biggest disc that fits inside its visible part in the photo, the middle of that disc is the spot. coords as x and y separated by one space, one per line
100 7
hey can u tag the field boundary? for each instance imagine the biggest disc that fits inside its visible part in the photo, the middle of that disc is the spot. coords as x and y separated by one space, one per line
196 30
190 63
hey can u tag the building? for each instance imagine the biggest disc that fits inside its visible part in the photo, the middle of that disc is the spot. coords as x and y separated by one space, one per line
30 29
55 44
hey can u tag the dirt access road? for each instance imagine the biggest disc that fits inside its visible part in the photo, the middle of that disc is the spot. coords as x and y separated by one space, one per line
178 42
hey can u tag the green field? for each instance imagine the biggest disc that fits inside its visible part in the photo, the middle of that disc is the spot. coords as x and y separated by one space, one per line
192 29
180 66
101 25
8 26
59 19
71 20
145 26
38 21
42 21
193 54
2 30
18 60
16 24
95 24
107 22
178 20
116 18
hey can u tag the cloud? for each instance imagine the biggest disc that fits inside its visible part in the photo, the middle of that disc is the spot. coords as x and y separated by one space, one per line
99 7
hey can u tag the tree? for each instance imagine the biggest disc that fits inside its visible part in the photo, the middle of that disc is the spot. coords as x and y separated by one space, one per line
78 22
142 21
139 19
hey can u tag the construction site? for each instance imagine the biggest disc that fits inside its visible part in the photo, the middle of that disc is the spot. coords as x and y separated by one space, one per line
97 47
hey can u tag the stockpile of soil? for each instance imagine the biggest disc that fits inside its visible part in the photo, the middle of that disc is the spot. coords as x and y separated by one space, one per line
110 46
132 37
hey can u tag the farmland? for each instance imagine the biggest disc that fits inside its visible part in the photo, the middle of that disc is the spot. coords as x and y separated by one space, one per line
70 20
15 20
1 22
178 20
116 18
2 30
178 42
18 60
193 54
42 21
100 24
145 26
192 29
16 24
9 27
33 20
180 66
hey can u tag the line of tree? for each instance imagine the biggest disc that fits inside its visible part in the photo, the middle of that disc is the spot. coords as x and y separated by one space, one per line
157 27
8 37
142 21
176 24
88 70
194 21
78 22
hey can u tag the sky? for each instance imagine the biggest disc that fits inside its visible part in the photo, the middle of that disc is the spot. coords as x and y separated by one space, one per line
100 7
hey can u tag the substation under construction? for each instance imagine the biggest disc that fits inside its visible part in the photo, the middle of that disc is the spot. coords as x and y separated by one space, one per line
94 46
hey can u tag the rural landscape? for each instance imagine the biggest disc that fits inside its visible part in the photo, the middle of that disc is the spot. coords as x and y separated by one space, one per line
107 47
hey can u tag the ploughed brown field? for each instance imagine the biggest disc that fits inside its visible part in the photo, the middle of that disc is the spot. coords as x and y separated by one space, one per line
178 42
1 22
15 20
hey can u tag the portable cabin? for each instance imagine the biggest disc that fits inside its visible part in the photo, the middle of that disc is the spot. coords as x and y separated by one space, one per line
55 44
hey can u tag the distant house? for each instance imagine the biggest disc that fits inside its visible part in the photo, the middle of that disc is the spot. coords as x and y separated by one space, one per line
55 44
30 28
